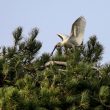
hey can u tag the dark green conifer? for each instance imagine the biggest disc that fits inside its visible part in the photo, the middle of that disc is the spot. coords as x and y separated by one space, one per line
74 80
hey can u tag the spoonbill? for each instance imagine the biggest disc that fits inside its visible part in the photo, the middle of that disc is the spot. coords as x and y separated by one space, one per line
76 36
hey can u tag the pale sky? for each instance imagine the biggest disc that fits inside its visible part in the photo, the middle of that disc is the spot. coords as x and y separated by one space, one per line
55 16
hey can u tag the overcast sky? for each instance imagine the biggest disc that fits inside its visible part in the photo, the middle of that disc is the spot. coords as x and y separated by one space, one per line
55 16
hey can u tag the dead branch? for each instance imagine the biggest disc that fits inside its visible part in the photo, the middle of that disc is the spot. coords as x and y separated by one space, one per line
60 63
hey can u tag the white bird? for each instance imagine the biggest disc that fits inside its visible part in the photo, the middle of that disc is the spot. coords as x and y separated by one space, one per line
76 35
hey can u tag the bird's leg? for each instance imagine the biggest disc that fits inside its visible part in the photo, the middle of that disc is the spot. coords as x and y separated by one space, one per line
59 50
81 47
65 49
72 48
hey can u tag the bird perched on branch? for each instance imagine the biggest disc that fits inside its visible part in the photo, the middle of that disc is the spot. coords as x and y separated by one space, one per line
76 35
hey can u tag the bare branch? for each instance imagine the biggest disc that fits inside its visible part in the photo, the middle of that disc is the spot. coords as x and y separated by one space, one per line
55 63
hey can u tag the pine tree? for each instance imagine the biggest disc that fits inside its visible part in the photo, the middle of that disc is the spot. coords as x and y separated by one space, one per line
74 80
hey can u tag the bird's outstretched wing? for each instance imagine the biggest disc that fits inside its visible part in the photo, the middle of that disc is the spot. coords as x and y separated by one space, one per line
77 30
63 37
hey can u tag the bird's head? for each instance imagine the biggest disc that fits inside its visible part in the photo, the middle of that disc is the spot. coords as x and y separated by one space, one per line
58 45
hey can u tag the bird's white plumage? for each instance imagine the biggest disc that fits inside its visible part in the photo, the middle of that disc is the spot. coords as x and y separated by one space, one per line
76 36
77 32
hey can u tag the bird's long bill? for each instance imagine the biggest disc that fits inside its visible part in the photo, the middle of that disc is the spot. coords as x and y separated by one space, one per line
53 51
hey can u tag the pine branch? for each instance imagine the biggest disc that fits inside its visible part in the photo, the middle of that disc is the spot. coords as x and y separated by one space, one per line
17 34
60 63
49 63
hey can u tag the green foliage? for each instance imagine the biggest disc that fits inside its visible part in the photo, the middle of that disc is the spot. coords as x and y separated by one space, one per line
85 100
27 84
93 50
104 93
17 34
